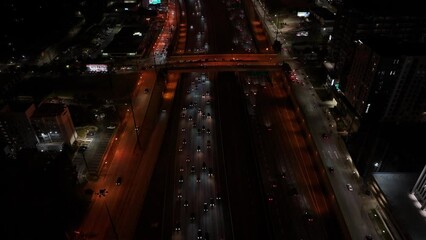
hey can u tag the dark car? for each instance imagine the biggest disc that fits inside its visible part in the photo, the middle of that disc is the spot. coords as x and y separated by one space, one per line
177 226
82 149
118 181
192 217
308 216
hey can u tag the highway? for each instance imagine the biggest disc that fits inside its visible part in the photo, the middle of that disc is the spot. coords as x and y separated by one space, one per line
220 147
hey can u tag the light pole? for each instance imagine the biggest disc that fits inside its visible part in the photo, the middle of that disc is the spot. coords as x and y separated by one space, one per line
134 121
110 217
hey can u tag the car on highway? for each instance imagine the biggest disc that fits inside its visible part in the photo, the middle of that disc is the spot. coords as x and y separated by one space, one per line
199 234
186 203
308 216
177 226
349 187
181 179
118 181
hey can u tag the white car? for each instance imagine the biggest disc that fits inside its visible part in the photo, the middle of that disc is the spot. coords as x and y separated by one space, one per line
349 187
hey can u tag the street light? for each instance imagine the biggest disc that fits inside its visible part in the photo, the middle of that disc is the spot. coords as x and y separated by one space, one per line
109 216
134 121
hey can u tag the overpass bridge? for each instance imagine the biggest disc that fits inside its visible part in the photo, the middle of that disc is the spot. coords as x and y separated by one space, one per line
200 62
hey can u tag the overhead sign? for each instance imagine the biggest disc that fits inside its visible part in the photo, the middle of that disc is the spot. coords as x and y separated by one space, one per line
154 1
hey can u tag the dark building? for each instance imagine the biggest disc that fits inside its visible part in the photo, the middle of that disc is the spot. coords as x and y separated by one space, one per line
404 22
53 127
387 82
15 127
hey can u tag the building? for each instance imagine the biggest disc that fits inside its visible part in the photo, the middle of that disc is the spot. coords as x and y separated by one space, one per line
129 43
53 127
15 127
387 82
419 189
400 207
358 19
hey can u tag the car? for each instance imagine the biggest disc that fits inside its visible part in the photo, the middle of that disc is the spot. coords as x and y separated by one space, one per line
349 187
208 130
198 179
283 175
211 202
325 136
204 166
181 179
210 172
209 115
118 181
192 169
205 207
198 148
368 237
111 126
184 141
187 159
199 234
192 217
82 148
186 203
308 216
270 197
181 169
177 226
90 133
179 195
146 90
331 169
180 149
209 144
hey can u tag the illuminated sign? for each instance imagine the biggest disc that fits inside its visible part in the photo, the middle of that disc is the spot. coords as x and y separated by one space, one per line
154 1
97 67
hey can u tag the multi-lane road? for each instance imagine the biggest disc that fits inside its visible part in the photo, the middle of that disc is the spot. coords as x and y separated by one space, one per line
220 154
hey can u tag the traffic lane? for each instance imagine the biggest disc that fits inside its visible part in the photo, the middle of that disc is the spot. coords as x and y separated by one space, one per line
201 189
286 214
290 135
298 142
246 203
